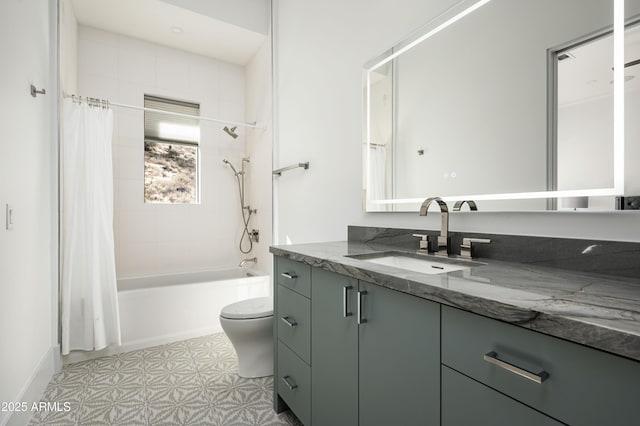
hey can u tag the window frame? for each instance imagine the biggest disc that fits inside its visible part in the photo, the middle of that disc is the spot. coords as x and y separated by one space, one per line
152 135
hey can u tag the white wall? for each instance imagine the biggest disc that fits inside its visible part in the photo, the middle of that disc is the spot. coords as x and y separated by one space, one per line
632 142
582 157
156 238
259 146
320 50
26 171
585 144
68 47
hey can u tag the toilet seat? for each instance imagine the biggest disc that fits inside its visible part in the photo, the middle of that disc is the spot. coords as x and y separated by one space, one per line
259 307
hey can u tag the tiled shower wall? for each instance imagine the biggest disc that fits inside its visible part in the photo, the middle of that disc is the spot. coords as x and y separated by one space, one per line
165 238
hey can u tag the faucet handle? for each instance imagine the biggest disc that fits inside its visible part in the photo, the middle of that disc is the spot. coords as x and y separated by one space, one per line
424 242
467 244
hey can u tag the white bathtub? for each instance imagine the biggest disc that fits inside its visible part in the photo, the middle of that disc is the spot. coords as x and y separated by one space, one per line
160 309
164 308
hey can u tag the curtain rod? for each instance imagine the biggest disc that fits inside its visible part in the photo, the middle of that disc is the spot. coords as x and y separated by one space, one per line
177 114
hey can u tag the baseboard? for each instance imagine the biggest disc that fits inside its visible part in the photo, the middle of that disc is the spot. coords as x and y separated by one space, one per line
134 345
34 388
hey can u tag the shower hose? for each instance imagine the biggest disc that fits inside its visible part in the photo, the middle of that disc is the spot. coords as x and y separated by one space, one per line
245 210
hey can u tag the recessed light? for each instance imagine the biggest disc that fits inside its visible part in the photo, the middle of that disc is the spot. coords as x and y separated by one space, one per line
176 30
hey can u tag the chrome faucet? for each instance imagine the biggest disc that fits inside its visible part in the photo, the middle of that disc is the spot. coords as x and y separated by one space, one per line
444 227
251 259
472 205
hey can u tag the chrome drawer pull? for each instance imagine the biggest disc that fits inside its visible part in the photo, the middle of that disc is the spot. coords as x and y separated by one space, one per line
345 308
288 275
360 319
288 322
540 377
289 384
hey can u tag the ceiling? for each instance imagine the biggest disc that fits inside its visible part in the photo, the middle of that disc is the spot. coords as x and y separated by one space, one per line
154 20
588 75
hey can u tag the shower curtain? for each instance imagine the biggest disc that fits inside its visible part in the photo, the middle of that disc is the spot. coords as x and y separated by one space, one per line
89 303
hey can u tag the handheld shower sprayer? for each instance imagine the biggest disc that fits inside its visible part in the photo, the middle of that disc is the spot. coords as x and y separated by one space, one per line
227 162
246 211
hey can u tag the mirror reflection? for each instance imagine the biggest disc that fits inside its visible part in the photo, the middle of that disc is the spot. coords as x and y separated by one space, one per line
585 120
471 111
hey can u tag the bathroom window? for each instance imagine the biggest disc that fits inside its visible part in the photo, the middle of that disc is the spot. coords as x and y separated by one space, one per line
171 152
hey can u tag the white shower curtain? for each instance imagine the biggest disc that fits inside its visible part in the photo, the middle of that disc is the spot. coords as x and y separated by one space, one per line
89 311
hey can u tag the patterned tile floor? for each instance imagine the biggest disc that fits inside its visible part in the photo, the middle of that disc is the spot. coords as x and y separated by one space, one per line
192 382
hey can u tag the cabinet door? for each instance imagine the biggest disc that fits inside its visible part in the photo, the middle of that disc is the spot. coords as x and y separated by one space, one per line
467 402
399 354
334 350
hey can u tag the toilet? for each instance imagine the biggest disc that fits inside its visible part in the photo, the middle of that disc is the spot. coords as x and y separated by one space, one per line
249 326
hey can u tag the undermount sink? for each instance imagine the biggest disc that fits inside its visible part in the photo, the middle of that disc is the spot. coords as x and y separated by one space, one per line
418 263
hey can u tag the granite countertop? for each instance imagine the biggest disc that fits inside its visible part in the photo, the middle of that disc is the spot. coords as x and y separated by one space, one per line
596 310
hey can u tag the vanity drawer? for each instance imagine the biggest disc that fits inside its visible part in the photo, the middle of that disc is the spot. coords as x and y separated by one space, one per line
584 386
294 275
294 383
467 402
294 322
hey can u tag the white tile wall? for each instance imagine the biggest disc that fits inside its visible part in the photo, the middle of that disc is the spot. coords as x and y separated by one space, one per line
152 238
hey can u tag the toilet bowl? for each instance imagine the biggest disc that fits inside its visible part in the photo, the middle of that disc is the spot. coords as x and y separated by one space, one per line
249 326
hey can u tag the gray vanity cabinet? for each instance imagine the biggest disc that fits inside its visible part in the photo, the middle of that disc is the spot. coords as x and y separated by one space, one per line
353 353
574 384
377 365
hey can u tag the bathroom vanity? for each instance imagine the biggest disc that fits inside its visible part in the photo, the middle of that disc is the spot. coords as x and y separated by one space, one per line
495 342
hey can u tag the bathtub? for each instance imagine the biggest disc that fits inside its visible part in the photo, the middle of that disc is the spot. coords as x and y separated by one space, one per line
160 309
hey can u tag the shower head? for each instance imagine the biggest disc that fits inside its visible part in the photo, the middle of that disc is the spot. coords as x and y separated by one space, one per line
231 131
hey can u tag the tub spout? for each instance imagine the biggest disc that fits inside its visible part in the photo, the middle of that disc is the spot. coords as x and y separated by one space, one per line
251 259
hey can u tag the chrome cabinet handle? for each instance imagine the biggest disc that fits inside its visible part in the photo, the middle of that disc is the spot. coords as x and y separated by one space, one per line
360 319
345 308
492 357
291 276
289 322
290 385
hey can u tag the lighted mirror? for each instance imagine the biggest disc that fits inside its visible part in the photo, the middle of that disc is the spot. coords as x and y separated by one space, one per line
515 105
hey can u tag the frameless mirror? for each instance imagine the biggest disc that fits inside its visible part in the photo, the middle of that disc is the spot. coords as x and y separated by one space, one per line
516 105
